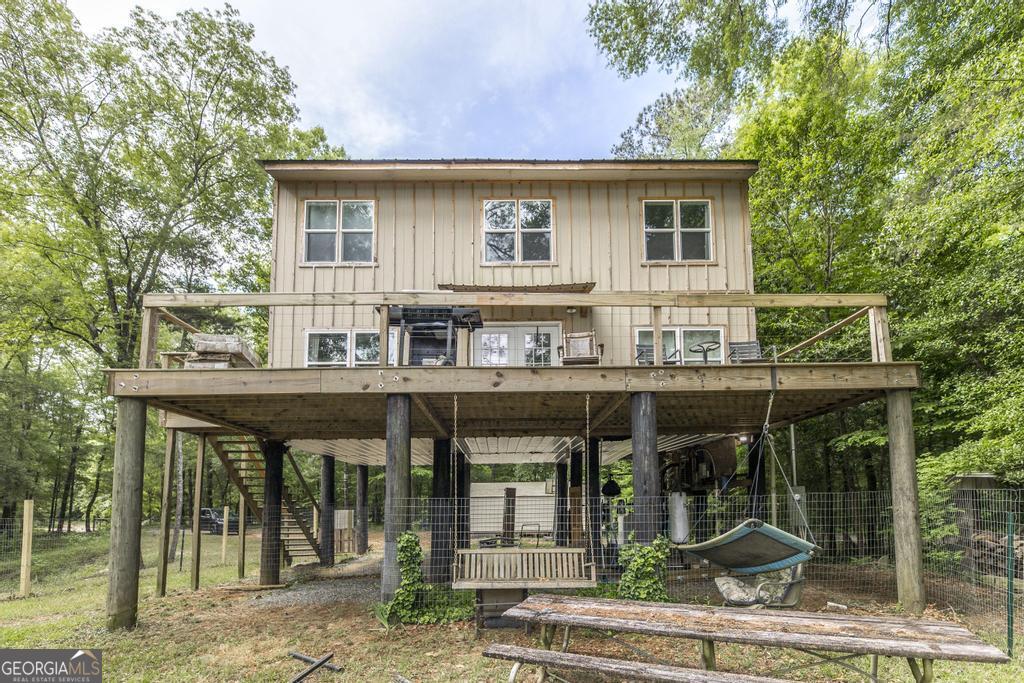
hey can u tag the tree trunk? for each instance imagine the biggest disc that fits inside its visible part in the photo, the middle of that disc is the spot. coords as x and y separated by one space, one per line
95 491
179 477
68 480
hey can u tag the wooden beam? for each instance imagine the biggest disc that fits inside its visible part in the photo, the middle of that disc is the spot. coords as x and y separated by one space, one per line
825 334
197 503
27 523
271 548
609 408
126 514
439 298
213 385
326 531
646 480
165 515
224 535
178 322
241 535
431 415
302 481
362 507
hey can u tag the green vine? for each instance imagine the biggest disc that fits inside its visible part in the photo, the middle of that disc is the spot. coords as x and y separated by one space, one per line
645 569
417 602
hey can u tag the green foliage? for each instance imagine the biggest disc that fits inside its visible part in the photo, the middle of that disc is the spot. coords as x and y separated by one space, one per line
416 602
645 570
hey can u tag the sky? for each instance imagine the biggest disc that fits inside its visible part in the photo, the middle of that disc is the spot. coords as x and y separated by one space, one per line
438 79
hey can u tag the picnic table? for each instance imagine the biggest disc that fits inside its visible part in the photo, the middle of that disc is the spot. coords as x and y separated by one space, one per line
830 638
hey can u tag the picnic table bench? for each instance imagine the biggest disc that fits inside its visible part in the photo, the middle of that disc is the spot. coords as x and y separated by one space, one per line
830 638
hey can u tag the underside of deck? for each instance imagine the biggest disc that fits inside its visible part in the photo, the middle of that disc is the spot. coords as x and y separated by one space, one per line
350 403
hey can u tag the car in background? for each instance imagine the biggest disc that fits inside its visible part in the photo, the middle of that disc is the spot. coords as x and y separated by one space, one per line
212 521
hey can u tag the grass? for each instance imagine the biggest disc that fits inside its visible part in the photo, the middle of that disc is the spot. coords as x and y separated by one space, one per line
221 635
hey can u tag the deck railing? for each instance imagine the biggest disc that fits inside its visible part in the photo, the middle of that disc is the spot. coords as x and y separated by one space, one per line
157 308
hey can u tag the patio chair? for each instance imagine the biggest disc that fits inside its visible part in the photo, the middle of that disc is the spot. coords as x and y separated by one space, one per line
580 348
745 352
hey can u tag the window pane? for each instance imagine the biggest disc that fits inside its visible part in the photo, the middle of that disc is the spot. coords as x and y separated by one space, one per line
644 347
693 337
357 215
536 246
367 348
321 215
499 247
500 215
357 246
658 215
695 246
493 349
693 215
535 214
538 348
659 246
668 346
327 348
320 246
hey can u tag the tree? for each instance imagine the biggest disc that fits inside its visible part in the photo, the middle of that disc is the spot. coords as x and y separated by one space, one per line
129 160
688 123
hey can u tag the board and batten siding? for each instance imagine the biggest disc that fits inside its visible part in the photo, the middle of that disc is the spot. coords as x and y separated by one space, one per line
430 232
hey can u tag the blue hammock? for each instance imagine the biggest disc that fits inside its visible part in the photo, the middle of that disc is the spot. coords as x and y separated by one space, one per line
754 547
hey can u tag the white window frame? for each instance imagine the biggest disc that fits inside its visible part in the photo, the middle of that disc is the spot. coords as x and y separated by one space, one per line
350 358
517 232
501 327
340 231
677 230
680 333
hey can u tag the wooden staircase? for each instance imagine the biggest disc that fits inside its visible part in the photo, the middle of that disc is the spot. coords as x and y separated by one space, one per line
242 458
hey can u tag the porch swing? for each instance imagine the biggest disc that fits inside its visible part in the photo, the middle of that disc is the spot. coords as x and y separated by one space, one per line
502 576
768 561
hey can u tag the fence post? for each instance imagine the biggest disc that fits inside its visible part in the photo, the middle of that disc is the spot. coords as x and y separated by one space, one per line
1010 571
26 547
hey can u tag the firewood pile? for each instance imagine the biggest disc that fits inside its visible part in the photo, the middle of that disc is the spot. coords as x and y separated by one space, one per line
214 351
987 553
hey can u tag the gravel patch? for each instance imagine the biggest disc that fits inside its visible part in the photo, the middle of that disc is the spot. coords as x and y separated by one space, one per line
355 581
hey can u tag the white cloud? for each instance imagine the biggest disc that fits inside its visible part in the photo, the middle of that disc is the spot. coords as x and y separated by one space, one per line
439 78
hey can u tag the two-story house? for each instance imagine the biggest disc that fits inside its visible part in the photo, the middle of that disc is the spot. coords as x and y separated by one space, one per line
451 312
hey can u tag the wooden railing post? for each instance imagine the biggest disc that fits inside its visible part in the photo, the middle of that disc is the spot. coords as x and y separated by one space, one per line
659 351
149 331
27 516
385 327
881 344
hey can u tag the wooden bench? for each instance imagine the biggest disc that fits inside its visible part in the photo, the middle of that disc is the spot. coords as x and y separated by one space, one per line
615 668
502 576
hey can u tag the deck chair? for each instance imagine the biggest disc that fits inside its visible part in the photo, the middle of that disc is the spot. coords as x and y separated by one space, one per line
753 549
745 352
580 348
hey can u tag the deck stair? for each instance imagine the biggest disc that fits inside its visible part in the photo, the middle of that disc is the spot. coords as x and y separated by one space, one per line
242 458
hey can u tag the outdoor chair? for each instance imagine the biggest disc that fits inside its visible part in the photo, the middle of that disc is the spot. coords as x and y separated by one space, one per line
580 348
745 352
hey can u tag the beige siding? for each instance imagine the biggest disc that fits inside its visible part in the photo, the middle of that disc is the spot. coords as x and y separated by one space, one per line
430 233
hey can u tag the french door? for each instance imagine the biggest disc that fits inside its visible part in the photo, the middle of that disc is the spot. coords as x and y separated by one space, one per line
521 345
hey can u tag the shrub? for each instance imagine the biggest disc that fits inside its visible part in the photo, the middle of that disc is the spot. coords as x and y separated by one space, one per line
644 571
416 602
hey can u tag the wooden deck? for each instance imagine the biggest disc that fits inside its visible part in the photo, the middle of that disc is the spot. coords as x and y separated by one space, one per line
349 403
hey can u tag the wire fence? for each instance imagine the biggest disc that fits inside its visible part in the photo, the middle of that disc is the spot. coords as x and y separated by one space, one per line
973 549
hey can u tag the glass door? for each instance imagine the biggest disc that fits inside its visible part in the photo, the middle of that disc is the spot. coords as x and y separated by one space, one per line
520 345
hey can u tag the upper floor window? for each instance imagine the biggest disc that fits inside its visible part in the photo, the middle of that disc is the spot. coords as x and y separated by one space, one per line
345 348
685 344
517 230
349 222
677 230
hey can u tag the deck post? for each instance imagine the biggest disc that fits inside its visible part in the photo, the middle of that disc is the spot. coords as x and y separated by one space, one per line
905 512
646 480
561 504
576 530
241 535
326 511
126 514
593 499
270 548
463 483
362 518
441 513
197 502
396 488
165 516
756 474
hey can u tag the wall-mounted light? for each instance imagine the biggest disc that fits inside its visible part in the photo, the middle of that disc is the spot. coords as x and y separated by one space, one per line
571 310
